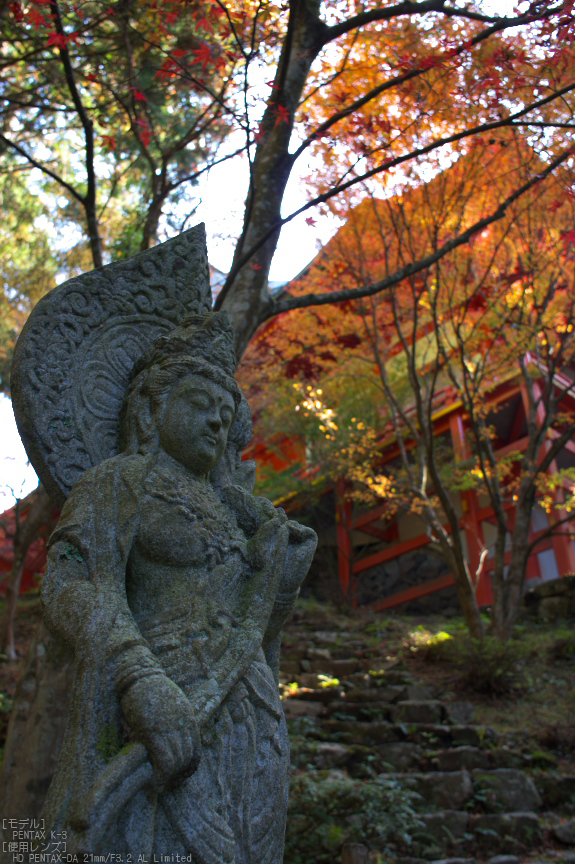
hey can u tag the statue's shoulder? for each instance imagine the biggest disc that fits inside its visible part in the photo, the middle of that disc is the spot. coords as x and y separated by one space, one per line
118 470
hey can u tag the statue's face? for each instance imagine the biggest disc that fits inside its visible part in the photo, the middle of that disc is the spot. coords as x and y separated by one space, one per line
196 423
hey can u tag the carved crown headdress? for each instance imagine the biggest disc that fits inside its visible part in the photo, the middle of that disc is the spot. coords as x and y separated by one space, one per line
205 343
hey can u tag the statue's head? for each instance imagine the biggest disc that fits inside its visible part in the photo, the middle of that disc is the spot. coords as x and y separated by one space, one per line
183 398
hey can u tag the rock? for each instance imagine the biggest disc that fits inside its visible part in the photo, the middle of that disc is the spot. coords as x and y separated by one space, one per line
428 734
325 695
557 790
299 708
454 861
417 712
497 830
507 788
290 668
553 588
397 676
565 833
356 732
308 679
551 608
504 859
328 754
318 654
420 693
360 710
473 736
337 668
460 758
502 758
445 826
402 755
377 694
449 790
459 713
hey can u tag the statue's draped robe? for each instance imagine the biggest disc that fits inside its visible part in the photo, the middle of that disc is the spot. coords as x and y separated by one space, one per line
232 809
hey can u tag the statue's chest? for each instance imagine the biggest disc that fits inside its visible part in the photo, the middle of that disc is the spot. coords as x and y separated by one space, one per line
183 533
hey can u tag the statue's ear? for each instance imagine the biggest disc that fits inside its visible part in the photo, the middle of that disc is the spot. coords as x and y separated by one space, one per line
147 423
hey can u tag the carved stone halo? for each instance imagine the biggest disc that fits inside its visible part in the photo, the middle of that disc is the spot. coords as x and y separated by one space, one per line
74 357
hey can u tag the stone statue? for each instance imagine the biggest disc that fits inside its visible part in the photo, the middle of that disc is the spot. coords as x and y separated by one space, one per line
171 582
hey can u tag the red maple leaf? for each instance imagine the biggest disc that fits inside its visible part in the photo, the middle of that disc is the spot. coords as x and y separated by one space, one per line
205 25
203 56
16 10
178 52
109 141
36 18
138 95
310 221
256 266
144 133
568 239
60 40
282 115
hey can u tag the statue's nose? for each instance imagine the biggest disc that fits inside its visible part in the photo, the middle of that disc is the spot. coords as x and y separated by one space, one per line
214 421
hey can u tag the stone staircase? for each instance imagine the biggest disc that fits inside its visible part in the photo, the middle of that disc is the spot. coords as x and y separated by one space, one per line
359 714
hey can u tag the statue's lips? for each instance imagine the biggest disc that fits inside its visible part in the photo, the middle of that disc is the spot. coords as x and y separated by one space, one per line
210 439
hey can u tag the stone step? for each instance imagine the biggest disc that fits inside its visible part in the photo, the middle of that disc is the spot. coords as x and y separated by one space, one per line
458 833
556 790
430 735
402 756
499 790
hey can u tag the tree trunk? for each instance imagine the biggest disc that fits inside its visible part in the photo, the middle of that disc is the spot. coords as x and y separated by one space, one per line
508 590
465 592
270 173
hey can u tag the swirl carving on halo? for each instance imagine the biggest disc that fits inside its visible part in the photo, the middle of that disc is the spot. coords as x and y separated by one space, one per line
69 340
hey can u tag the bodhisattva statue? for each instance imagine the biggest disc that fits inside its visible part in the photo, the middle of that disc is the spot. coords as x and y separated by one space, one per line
171 582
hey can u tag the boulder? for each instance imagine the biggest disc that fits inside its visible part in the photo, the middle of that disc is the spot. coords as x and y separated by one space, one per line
459 713
472 736
299 708
565 833
290 668
507 788
504 859
428 734
460 758
454 861
377 694
448 790
501 831
328 754
318 654
503 758
337 668
356 732
360 710
445 826
420 693
401 754
551 608
557 790
412 711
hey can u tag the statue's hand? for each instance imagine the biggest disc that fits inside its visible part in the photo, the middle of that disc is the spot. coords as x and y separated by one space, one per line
300 552
262 546
163 720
